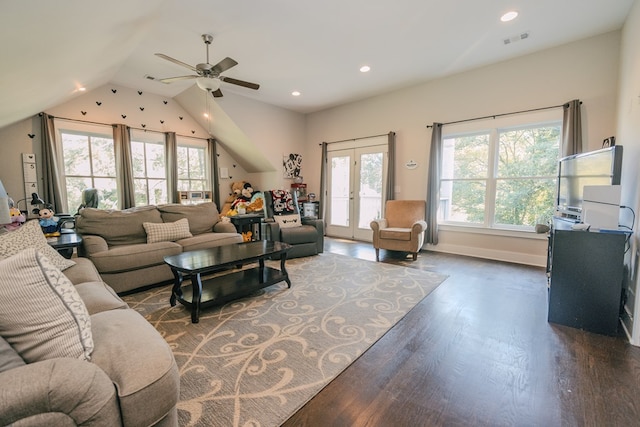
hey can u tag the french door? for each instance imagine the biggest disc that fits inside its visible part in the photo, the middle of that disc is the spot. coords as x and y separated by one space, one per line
356 185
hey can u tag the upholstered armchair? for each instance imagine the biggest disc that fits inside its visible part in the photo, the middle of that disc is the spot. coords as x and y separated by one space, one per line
283 223
402 228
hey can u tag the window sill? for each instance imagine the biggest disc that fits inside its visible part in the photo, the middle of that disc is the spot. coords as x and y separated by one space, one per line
521 234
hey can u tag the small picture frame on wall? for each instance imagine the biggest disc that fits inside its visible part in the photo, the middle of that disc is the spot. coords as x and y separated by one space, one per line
292 165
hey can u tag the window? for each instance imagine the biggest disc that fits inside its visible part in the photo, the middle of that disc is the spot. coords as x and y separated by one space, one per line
89 162
501 177
149 160
192 164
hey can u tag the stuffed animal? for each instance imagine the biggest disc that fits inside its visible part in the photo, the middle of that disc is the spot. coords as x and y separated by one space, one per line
236 191
244 198
17 219
48 222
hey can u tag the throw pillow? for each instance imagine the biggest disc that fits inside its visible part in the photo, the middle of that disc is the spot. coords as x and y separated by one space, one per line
282 202
288 221
41 314
30 236
167 231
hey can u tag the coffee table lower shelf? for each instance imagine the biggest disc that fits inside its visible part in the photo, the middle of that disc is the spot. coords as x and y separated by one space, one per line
228 287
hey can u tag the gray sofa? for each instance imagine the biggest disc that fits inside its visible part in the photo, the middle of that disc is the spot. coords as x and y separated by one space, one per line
132 379
116 241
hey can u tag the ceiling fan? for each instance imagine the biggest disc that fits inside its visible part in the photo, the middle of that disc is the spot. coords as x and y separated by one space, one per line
208 77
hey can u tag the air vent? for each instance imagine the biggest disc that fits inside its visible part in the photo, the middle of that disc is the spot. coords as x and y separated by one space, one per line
516 38
148 77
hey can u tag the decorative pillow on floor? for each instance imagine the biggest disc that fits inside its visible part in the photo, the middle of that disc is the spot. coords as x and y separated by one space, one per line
30 236
288 221
167 231
41 314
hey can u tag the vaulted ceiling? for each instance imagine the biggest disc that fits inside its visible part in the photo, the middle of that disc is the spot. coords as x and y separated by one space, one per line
50 49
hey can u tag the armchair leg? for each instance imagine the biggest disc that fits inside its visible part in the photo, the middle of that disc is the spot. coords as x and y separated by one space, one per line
415 256
377 254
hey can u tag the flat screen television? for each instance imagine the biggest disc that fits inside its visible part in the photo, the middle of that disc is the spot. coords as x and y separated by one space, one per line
600 167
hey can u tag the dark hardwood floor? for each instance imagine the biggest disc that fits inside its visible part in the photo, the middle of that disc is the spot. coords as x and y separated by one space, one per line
478 351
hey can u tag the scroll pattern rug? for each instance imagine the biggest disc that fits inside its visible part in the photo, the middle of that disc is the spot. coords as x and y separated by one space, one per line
256 361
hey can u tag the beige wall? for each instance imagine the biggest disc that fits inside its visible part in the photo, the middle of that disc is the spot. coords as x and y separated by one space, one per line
587 70
628 135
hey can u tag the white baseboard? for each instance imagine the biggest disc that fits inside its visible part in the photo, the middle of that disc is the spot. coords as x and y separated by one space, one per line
514 257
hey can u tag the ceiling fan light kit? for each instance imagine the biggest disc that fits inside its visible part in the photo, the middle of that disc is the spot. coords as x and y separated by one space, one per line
208 77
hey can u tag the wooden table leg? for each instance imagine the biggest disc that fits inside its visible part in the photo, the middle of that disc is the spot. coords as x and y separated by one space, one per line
196 286
176 291
283 258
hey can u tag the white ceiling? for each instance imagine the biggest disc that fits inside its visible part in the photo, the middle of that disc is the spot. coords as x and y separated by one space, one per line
48 48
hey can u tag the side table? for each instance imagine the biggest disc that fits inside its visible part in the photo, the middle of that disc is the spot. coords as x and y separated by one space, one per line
66 242
247 222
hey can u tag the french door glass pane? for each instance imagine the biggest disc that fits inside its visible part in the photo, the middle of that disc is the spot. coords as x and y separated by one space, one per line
340 175
370 188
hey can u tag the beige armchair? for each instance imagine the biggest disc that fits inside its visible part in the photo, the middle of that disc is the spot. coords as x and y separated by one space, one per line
402 228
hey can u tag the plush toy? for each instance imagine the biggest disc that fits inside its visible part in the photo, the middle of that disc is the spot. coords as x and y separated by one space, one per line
244 198
236 191
48 222
17 219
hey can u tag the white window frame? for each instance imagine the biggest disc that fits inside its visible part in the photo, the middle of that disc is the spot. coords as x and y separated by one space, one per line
493 127
201 144
84 129
150 138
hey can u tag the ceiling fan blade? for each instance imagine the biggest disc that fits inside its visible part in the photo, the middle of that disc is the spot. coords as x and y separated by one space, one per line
175 79
175 61
224 65
217 93
240 82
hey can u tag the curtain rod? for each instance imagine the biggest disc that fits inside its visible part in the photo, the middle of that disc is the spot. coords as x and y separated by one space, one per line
355 139
503 114
130 127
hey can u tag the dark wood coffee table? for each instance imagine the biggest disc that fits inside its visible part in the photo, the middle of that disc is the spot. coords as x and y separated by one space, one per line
226 287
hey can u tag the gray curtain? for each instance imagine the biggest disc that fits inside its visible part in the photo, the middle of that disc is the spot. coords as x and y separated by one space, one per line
433 189
172 166
323 179
124 165
391 172
571 128
213 156
52 188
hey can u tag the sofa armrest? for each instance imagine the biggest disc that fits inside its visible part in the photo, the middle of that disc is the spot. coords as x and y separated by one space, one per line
92 244
378 224
419 227
319 225
271 231
224 227
50 389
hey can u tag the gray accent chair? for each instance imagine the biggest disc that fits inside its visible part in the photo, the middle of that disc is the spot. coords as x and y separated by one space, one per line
306 240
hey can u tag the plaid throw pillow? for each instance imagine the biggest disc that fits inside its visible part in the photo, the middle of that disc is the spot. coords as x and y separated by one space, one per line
167 231
282 202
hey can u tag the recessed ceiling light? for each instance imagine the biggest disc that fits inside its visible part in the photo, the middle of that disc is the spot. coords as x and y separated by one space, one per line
206 115
365 69
295 93
82 88
509 16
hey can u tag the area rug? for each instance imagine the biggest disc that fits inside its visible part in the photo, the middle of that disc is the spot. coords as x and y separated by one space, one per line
256 361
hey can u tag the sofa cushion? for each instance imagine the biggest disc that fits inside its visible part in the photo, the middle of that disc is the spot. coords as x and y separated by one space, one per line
167 231
392 233
117 227
41 314
9 358
282 202
209 240
98 296
202 217
30 236
82 271
134 257
139 362
299 235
